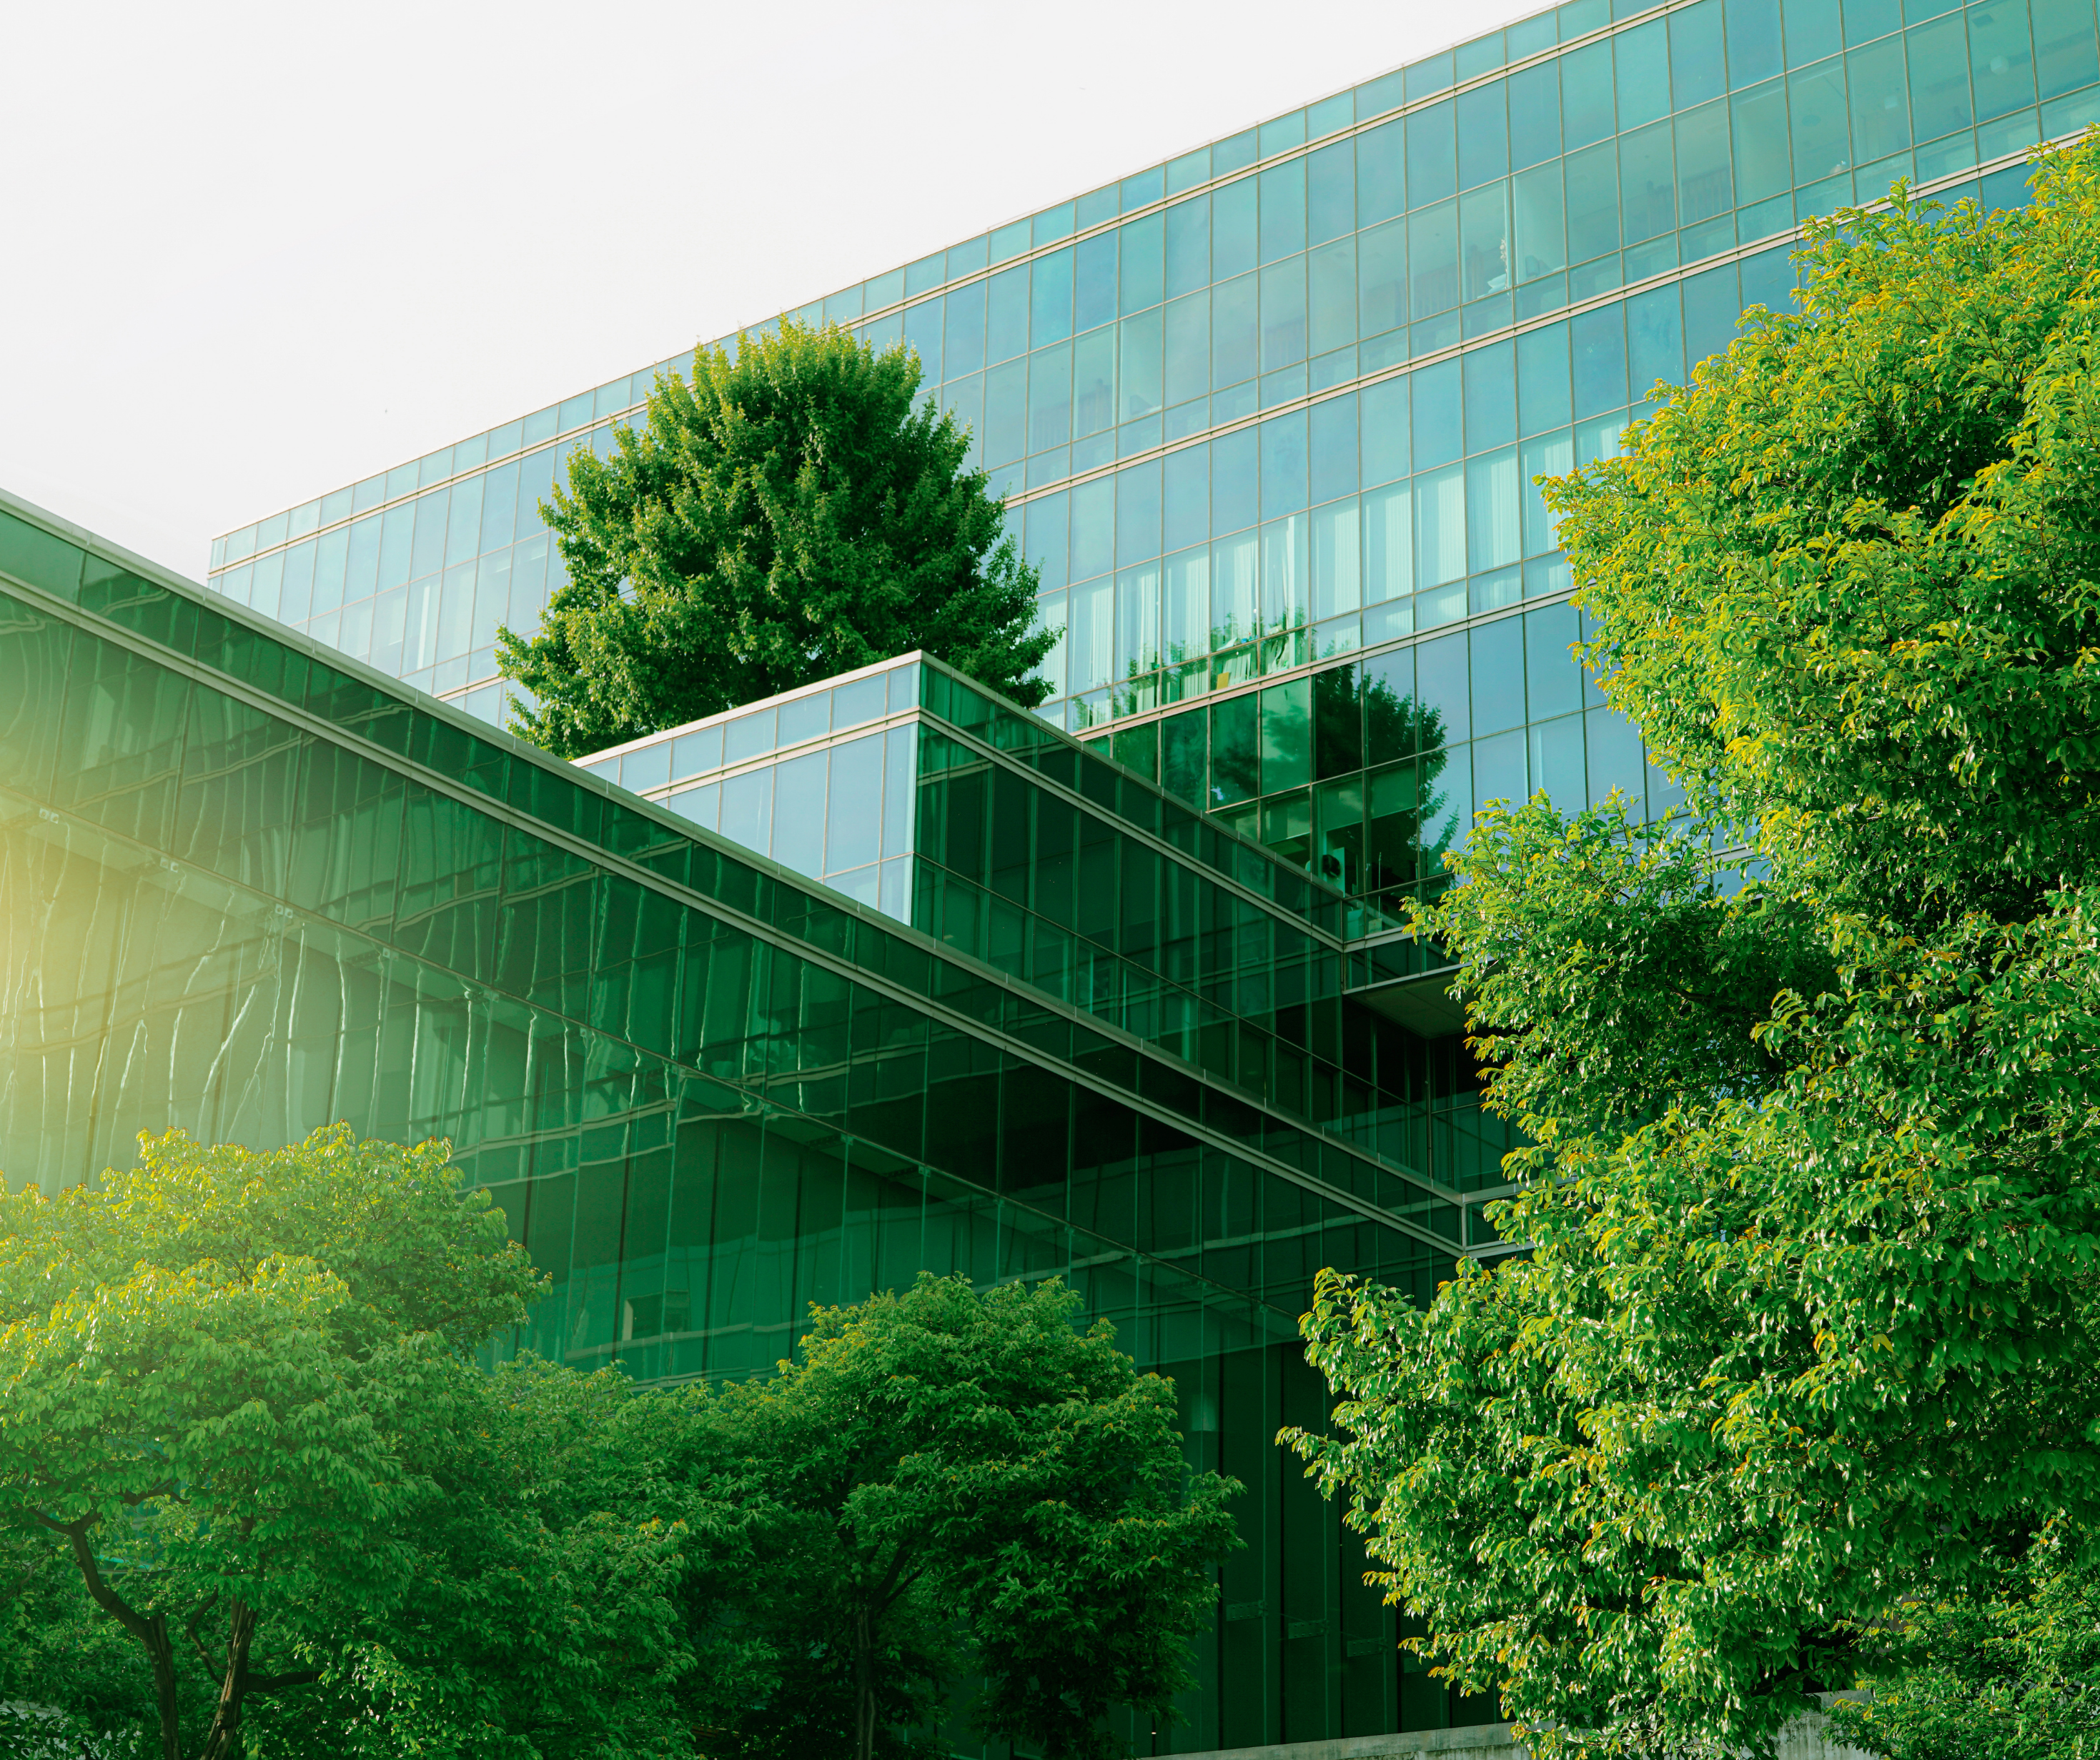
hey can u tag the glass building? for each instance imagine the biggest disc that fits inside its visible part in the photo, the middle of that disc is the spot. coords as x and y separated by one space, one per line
1114 990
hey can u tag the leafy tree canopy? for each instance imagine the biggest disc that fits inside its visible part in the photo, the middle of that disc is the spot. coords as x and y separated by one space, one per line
253 1488
945 1485
788 515
1806 1333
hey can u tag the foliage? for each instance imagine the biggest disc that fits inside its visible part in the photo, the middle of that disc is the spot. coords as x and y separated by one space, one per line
945 1483
788 515
1805 1335
2012 1673
234 1402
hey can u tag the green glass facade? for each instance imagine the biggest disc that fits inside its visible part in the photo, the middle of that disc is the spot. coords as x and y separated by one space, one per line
247 886
787 1004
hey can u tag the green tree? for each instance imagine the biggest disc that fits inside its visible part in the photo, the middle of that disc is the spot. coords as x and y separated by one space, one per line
943 1485
1806 1333
788 515
2009 1674
235 1403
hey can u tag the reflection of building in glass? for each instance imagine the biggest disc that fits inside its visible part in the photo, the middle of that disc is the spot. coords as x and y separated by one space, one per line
1112 991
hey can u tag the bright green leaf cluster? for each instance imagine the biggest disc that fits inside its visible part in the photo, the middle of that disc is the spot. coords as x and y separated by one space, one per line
794 512
1806 1333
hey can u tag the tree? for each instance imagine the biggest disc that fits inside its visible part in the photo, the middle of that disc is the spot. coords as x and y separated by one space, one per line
945 1483
788 515
1805 1332
2011 1674
235 1401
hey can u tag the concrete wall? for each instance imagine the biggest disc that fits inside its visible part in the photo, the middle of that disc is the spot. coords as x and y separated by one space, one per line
1804 1741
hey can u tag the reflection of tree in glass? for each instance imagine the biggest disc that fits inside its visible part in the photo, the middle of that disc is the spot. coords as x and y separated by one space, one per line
1386 852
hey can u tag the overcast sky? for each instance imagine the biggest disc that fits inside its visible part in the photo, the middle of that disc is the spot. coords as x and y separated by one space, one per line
254 253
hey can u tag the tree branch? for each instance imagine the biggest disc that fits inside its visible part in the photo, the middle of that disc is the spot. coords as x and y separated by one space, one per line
103 1596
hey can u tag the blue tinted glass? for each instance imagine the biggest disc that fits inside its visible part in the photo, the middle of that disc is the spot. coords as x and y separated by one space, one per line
749 736
964 344
1490 397
1189 170
1045 542
1094 282
1233 236
1432 166
1006 314
396 545
1282 210
1050 299
1233 468
1382 173
2000 52
1484 141
1137 514
1940 100
1283 465
2065 49
1143 268
1641 70
1186 497
1814 30
1323 118
1430 75
1440 689
1188 246
1598 345
1543 393
860 700
854 835
1438 427
805 718
1698 66
1233 155
1655 340
1093 528
922 336
1384 431
1534 114
1331 448
1144 189
1754 40
1283 134
1587 108
1331 191
1497 676
693 753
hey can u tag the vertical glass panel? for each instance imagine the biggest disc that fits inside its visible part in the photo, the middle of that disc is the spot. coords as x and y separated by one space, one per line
1234 239
428 555
464 530
1698 66
1641 64
1549 455
1440 519
900 790
1143 263
1599 346
963 348
1439 429
1185 755
1005 431
1187 246
1880 104
1484 242
1137 622
1188 348
1189 170
1763 166
1384 430
1648 185
853 826
1432 163
1588 111
1429 75
922 336
1655 340
397 544
1234 480
1137 513
1235 750
1330 192
1866 20
1050 398
1286 735
1138 365
1593 202
1050 299
1235 332
1282 133
1330 318
1705 188
1337 559
1282 210
1093 527
2000 52
1093 381
1497 676
1382 173
1484 144
1235 578
747 809
1540 222
1185 496
2067 55
1006 314
1185 629
1939 78
1093 282
1331 447
1283 313
1433 250
1283 465
1382 276
1492 511
1442 691
1046 542
1490 374
1090 637
1814 30
1534 114
1754 40
1388 543
1822 143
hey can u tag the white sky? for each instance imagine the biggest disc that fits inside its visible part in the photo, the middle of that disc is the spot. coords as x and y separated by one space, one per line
255 252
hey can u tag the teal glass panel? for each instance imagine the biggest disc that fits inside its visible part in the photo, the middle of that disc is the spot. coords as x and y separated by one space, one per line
1754 51
1640 60
2001 53
1812 31
1382 173
1698 62
1939 91
1432 163
2067 53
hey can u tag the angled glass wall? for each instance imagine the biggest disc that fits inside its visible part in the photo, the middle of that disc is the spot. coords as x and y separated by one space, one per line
247 887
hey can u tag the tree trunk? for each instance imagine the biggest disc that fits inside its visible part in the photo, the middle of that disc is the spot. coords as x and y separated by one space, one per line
863 1688
222 1741
151 1633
